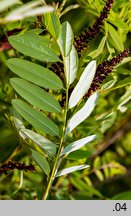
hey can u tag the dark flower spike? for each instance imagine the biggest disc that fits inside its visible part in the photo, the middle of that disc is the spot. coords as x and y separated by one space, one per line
13 165
82 42
104 69
58 68
84 38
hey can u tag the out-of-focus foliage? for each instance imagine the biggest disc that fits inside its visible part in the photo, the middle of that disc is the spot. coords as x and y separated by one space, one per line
110 154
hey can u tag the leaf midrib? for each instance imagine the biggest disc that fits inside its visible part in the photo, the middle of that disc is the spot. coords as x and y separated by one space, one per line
37 75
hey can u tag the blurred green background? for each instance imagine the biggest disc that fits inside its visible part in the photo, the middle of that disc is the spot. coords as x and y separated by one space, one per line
110 156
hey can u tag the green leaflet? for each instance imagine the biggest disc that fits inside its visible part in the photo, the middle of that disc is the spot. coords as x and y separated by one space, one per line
52 23
33 47
99 50
35 73
77 144
71 65
41 161
46 145
83 84
35 95
108 85
65 39
116 38
35 117
83 113
71 169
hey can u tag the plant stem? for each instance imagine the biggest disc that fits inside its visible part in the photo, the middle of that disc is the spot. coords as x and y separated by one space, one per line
57 161
62 5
